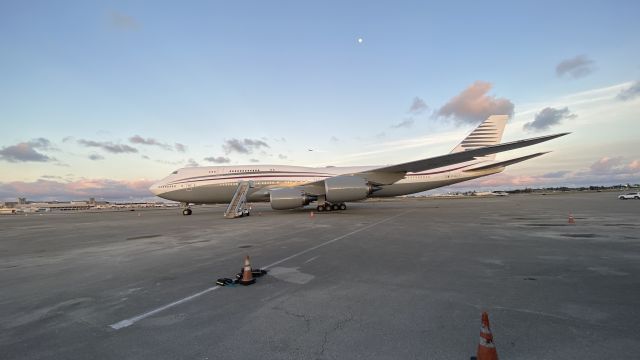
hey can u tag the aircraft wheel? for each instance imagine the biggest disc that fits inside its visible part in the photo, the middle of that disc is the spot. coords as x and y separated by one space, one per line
320 208
335 207
343 206
186 212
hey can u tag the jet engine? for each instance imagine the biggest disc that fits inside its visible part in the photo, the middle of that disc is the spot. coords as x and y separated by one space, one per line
288 198
346 188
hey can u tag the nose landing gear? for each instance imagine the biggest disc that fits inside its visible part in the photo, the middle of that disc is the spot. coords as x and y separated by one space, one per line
186 211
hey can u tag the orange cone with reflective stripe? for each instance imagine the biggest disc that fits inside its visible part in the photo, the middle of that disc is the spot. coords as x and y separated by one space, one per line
572 220
247 276
486 347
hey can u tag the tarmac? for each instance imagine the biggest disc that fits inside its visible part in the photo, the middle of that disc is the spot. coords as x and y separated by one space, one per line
397 279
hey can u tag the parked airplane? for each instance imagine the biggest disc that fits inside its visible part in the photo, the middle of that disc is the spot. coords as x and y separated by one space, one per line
290 187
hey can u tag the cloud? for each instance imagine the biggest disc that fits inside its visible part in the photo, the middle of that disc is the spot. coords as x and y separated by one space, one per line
629 93
180 147
556 174
52 177
137 139
282 157
255 143
547 118
123 21
218 159
606 165
254 160
406 123
246 146
146 157
418 106
79 189
473 105
334 139
577 67
167 162
96 157
604 171
191 163
41 143
67 139
108 146
27 151
608 170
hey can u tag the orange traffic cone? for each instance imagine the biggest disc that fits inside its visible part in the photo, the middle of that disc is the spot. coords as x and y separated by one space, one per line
247 276
486 347
311 215
572 220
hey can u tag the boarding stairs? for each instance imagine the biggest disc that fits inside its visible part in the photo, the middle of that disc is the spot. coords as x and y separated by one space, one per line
237 206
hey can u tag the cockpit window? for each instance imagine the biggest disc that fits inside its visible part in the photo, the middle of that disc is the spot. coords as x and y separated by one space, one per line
175 172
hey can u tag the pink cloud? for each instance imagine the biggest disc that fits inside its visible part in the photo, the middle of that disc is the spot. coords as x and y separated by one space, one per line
504 179
474 104
606 164
80 189
634 165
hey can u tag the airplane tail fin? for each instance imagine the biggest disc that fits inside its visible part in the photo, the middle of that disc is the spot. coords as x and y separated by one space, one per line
486 134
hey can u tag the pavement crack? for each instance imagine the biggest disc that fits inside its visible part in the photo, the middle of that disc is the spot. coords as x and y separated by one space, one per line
337 327
306 318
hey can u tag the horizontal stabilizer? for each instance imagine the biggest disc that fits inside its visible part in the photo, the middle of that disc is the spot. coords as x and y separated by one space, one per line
507 162
468 155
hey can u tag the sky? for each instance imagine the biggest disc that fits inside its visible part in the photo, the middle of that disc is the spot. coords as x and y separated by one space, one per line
103 98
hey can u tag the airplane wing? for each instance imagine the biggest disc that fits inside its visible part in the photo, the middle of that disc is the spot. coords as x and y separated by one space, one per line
468 155
507 162
390 174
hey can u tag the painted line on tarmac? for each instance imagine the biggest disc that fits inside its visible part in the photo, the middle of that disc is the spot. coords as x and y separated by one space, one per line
310 260
128 322
334 240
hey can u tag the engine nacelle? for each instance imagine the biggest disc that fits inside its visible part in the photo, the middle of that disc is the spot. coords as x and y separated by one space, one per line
346 188
288 198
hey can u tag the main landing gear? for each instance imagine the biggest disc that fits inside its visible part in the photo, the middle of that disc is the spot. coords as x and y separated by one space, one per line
186 211
331 207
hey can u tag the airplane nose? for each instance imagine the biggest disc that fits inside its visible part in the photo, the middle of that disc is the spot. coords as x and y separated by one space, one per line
155 188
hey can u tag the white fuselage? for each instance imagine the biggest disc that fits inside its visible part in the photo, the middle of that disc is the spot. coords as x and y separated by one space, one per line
217 184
